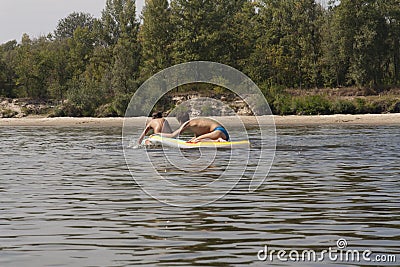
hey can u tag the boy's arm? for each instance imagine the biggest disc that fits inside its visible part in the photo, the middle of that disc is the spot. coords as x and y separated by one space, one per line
145 131
177 132
172 135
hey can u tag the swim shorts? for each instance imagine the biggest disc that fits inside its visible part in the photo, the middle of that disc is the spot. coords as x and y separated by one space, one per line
223 130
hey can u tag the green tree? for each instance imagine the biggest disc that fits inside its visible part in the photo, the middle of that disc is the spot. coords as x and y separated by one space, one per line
391 13
4 91
7 74
120 33
288 47
362 35
156 37
31 68
333 62
39 66
119 17
81 47
126 66
57 55
66 26
92 88
243 27
202 31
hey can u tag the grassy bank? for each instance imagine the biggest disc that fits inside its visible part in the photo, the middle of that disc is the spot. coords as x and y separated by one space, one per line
282 102
335 101
325 105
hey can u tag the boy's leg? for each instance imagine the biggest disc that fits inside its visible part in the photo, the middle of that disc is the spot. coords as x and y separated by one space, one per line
215 135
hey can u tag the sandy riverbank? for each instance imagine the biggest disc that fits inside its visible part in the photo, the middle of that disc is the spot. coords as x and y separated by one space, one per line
372 119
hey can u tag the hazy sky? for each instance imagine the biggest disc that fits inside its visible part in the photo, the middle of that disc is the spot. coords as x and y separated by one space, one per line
40 17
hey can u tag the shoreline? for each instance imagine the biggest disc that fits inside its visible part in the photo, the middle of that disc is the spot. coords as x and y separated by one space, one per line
362 119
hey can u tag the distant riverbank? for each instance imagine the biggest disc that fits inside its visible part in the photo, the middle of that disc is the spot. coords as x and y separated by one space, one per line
323 101
367 119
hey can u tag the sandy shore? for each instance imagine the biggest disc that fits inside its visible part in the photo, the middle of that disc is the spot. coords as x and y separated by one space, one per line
371 119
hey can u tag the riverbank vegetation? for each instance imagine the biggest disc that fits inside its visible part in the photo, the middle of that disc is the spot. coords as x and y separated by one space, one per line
92 66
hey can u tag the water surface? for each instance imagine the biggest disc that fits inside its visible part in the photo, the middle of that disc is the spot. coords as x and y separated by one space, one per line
67 198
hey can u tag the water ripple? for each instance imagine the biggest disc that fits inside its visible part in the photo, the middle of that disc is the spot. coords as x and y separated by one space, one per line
67 199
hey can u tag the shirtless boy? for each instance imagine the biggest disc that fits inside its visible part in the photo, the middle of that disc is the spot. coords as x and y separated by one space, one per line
203 128
158 124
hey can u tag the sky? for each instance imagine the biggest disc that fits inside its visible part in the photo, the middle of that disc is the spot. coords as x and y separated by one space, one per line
40 17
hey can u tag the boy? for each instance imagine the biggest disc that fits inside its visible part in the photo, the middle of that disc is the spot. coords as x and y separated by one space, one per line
158 124
203 128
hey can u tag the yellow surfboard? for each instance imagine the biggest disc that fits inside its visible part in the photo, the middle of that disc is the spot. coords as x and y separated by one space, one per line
178 143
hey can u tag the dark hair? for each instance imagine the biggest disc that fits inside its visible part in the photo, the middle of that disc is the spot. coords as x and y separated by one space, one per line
182 117
157 115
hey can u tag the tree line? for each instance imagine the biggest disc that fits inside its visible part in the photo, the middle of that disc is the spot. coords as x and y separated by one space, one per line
94 65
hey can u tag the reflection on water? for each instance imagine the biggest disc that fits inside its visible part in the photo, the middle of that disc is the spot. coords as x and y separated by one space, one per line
68 199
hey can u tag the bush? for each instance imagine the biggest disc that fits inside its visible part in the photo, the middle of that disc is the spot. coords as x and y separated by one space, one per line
380 106
86 96
67 109
311 105
120 104
343 107
105 110
395 108
281 105
361 106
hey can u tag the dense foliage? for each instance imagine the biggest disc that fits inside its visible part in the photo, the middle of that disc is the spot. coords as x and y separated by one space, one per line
92 66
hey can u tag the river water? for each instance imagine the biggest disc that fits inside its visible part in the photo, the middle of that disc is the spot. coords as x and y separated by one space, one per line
67 198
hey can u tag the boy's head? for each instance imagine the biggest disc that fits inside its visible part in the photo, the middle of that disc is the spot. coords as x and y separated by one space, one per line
157 115
182 117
